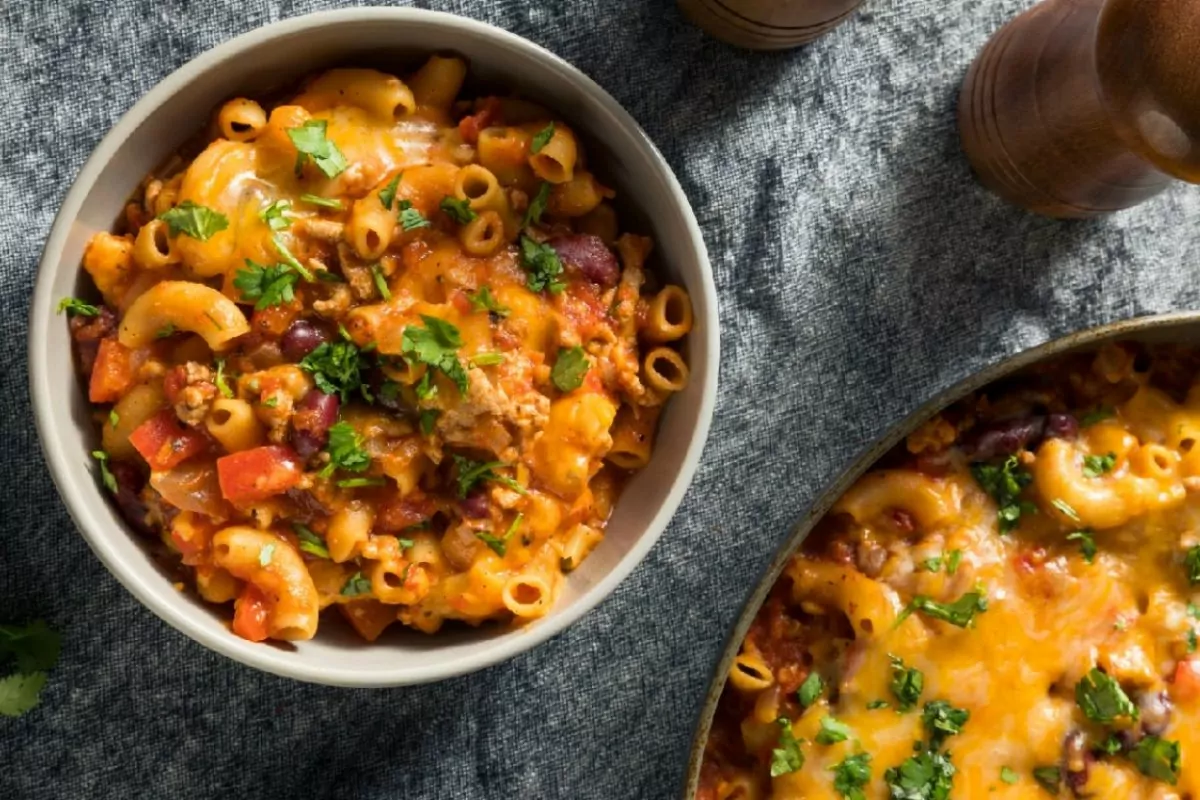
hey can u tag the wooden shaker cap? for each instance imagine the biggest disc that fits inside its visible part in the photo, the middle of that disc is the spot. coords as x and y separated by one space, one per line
768 24
1146 58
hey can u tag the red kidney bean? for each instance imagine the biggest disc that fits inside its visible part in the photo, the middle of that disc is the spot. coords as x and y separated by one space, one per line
392 401
1155 708
315 414
1004 438
475 505
590 256
1077 759
301 338
130 482
1061 426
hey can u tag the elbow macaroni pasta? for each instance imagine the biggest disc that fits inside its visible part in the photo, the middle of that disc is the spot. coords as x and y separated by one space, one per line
327 360
1008 553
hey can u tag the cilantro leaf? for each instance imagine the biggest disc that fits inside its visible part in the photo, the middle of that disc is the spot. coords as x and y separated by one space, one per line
197 221
1096 415
436 345
337 368
1087 544
543 265
811 689
387 195
907 684
357 483
411 218
486 359
324 202
570 368
852 775
786 757
473 472
20 693
219 380
380 282
925 776
35 646
833 731
1095 466
277 215
267 285
1066 509
428 419
499 544
345 448
290 260
483 300
166 331
1009 775
537 206
953 559
356 585
310 542
933 564
1048 778
77 308
1157 758
1110 746
1005 483
942 720
877 704
310 142
458 210
961 612
541 139
1102 699
106 476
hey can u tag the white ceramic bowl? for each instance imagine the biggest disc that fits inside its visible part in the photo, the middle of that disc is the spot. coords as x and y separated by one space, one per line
275 55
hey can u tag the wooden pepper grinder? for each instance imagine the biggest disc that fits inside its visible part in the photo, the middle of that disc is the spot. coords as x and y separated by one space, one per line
768 24
1082 107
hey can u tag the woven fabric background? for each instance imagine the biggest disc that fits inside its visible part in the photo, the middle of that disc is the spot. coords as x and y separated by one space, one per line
860 270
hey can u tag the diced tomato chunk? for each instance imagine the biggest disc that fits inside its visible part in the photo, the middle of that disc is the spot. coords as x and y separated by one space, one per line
164 443
1187 679
257 474
250 614
469 127
112 374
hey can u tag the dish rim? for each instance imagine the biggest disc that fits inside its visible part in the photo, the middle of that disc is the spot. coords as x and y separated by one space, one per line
1088 337
48 411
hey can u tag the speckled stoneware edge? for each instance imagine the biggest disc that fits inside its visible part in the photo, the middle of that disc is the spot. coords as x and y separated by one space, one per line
1181 327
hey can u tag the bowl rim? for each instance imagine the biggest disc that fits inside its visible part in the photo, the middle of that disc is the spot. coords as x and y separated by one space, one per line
866 458
47 410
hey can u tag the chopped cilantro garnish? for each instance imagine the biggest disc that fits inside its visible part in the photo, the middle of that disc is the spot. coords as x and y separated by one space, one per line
1005 483
196 221
931 564
357 584
943 720
786 757
537 206
570 368
324 202
1110 746
436 345
483 300
166 331
486 359
310 542
266 285
106 476
1097 415
852 775
833 731
219 380
961 612
428 419
1048 778
358 483
277 215
1009 775
542 263
411 218
77 308
1087 544
907 684
541 139
114 419
458 210
310 142
877 704
387 195
811 689
291 260
953 559
499 544
1066 509
345 448
473 472
1095 466
380 282
925 776
1102 699
337 368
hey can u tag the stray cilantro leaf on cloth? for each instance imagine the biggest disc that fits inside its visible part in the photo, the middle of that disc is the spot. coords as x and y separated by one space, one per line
943 720
77 308
337 368
357 584
35 649
1095 466
266 285
411 218
961 612
20 693
537 206
541 139
541 262
1005 483
925 776
484 300
570 368
277 215
811 689
907 684
345 450
852 775
310 542
1087 544
310 142
499 545
473 472
1157 758
1048 778
436 345
1102 699
387 195
786 757
106 476
458 210
833 731
197 221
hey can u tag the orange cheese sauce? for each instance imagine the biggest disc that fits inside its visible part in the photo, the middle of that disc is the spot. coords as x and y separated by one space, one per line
377 349
1055 609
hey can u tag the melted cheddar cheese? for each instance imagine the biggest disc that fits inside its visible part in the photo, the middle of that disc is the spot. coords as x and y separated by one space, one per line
1085 566
377 349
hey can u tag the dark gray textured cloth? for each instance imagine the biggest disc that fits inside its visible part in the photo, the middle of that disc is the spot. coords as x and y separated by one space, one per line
860 269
